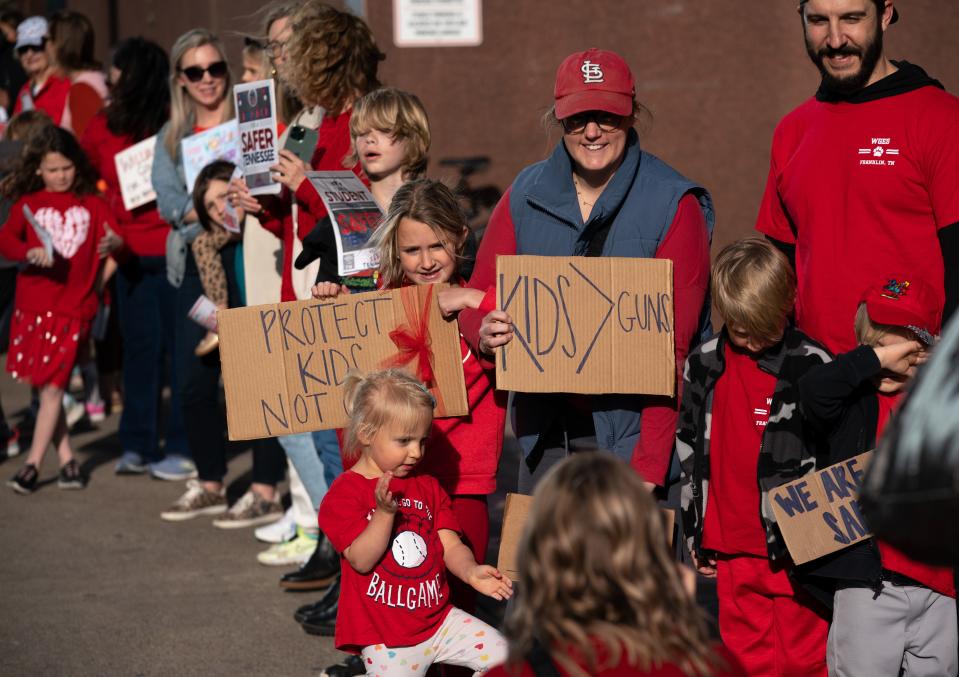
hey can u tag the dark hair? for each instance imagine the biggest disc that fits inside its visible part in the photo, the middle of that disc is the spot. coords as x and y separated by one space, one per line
25 124
218 170
74 41
140 100
12 16
25 179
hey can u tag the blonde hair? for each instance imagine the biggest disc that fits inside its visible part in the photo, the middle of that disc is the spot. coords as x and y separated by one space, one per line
375 400
399 114
333 57
594 567
427 201
182 110
869 333
754 287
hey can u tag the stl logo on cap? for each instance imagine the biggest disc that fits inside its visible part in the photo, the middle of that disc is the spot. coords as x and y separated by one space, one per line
591 72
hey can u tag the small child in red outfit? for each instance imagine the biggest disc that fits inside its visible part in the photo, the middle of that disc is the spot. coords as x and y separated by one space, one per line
63 231
741 434
397 536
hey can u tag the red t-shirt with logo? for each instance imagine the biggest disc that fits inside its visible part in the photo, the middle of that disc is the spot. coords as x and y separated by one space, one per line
741 401
405 598
862 190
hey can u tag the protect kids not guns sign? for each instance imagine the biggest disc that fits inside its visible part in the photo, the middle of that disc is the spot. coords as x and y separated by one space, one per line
587 325
284 365
819 514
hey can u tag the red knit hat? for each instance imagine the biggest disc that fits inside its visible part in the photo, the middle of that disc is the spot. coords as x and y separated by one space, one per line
912 304
596 79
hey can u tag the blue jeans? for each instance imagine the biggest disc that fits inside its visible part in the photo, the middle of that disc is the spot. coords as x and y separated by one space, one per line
145 303
316 457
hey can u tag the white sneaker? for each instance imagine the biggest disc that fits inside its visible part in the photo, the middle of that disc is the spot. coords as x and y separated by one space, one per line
281 531
72 410
294 552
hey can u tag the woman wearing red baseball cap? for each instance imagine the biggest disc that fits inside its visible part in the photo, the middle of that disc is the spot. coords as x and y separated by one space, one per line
598 194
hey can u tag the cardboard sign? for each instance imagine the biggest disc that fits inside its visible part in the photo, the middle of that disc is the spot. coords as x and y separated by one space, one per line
515 514
355 217
134 170
217 143
284 365
819 514
592 325
256 117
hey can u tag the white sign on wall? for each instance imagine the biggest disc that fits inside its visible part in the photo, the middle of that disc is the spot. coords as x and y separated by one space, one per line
437 23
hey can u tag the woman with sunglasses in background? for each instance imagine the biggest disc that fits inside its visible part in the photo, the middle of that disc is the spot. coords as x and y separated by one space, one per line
598 194
70 48
45 90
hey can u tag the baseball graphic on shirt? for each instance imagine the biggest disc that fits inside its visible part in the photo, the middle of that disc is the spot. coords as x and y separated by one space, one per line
409 549
68 231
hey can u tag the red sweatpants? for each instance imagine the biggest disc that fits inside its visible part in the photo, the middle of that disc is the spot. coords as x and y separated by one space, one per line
472 513
770 631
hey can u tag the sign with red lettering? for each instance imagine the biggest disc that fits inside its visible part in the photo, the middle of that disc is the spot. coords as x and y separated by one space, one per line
355 217
259 150
819 514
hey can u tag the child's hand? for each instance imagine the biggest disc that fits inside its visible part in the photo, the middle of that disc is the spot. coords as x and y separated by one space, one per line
489 581
901 358
384 497
454 299
290 170
109 243
707 567
327 291
240 196
37 256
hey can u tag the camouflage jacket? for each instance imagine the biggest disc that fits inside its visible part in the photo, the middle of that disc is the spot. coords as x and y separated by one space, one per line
789 447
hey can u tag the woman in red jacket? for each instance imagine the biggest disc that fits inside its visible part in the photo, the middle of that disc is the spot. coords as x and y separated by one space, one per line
140 106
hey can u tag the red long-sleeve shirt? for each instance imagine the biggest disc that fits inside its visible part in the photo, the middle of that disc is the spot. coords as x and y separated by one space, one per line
687 245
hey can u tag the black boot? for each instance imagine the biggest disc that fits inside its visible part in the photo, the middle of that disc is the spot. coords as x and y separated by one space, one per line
351 666
318 572
323 620
329 597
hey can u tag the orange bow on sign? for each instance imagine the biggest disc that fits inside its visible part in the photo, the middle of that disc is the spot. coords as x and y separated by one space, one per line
413 339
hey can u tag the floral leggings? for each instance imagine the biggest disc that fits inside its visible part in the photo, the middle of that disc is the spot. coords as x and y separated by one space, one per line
206 252
460 640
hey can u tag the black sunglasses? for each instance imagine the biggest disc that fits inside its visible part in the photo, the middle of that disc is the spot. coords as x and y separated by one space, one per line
217 70
23 49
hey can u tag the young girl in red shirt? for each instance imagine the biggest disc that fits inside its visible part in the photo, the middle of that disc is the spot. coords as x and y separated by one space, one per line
56 296
421 241
397 536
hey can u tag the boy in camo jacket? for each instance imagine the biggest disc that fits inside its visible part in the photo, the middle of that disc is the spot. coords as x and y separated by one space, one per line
740 435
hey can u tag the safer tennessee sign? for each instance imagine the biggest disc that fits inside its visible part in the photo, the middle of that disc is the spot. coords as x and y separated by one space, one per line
587 325
819 514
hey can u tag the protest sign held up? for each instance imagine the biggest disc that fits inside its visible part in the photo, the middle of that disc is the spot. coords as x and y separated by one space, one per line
355 216
256 118
819 514
587 325
217 143
134 170
284 364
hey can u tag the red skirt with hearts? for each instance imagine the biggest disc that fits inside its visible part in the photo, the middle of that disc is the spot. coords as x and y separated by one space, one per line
44 346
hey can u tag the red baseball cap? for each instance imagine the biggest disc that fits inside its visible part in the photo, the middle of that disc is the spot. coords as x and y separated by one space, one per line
596 79
912 304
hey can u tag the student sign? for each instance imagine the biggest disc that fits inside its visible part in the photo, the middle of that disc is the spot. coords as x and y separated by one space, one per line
284 365
819 514
587 325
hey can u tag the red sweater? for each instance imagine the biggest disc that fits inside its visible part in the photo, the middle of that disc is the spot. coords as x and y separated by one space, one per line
333 146
51 98
144 232
75 224
687 244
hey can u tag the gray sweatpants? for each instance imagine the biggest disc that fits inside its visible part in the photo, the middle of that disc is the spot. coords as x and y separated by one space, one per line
907 630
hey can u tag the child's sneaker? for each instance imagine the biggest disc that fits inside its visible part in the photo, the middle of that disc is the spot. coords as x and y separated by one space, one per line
281 531
10 443
295 552
195 502
71 477
96 412
25 481
250 510
73 410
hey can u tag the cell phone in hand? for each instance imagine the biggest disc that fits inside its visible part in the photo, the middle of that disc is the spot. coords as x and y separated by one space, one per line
301 141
